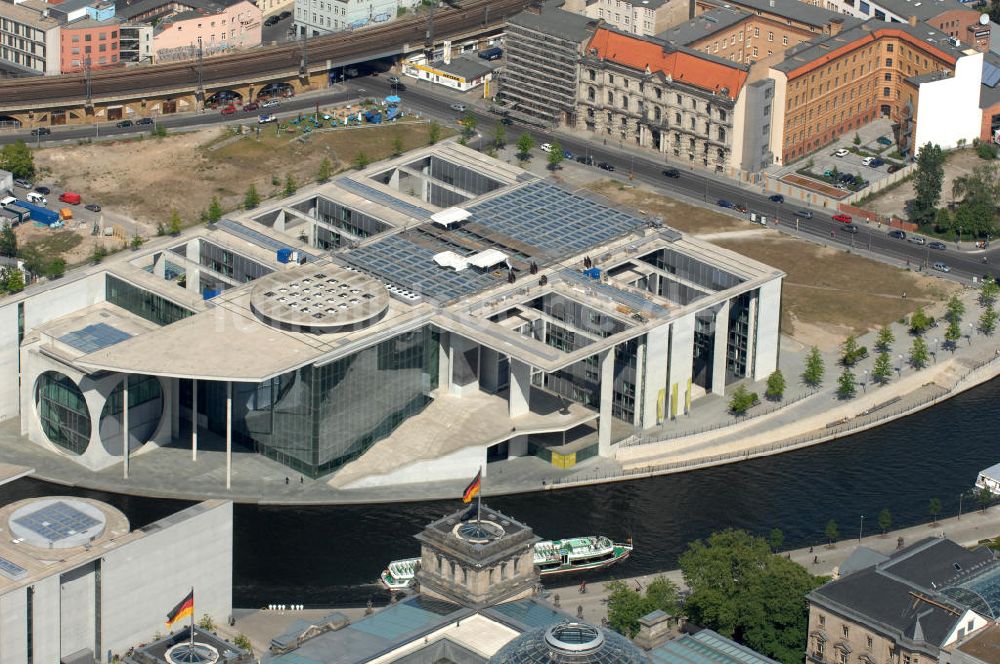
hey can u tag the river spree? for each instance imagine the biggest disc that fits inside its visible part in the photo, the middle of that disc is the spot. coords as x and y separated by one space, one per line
333 555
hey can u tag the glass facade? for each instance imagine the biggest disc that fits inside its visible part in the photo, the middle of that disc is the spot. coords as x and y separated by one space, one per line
62 412
230 264
739 336
317 418
142 303
145 407
626 377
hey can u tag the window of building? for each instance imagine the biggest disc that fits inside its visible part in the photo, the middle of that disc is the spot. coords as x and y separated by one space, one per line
888 48
677 118
592 74
656 113
756 32
766 130
784 40
885 92
868 641
611 97
770 36
611 79
845 630
741 35
87 37
888 76
722 115
591 94
888 62
103 36
722 135
625 102
76 38
658 92
755 51
732 40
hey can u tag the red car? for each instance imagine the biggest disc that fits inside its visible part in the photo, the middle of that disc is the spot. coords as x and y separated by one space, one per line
229 110
70 197
252 106
842 218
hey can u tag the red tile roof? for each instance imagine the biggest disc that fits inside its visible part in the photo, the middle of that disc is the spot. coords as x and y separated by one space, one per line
637 53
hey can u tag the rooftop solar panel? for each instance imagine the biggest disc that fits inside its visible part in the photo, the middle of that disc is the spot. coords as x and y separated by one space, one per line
258 238
12 570
991 74
378 196
57 521
94 337
633 300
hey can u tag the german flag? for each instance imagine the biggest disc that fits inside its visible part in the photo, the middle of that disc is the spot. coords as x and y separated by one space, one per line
185 609
472 490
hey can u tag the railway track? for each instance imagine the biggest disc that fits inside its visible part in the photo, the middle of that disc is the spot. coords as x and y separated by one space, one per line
261 63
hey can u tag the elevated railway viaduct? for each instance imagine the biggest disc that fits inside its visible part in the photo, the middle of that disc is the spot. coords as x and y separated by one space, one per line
163 89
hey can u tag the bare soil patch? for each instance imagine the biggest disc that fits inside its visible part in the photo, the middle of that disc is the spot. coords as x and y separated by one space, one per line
893 200
676 214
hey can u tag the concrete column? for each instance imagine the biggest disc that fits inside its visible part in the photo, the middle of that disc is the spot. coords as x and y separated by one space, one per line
229 434
606 362
194 419
279 222
444 361
125 428
519 401
681 365
192 275
464 366
768 329
721 344
752 335
655 396
160 265
489 377
518 446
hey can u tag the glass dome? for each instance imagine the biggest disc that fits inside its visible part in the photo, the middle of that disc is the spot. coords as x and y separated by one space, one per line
570 643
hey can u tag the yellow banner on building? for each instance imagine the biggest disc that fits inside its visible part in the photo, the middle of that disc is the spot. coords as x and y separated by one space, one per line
564 460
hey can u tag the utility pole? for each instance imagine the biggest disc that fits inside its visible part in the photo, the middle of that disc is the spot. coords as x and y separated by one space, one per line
304 67
201 79
429 35
86 75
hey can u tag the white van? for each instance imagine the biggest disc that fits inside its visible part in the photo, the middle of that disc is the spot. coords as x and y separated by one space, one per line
7 200
36 198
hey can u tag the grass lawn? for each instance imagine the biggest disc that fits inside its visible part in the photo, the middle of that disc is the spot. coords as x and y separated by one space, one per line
55 243
676 214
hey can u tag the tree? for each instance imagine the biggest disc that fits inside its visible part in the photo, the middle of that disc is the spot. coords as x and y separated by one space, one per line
433 132
524 144
241 640
776 539
8 241
955 309
920 322
626 606
11 280
851 352
857 138
980 193
832 533
55 268
361 160
943 220
326 168
291 186
251 199
927 184
17 158
988 291
556 156
919 355
984 497
813 374
952 334
885 520
885 339
206 623
469 124
214 210
136 241
500 136
934 508
743 591
995 11
397 148
175 223
847 384
988 320
742 400
882 370
775 386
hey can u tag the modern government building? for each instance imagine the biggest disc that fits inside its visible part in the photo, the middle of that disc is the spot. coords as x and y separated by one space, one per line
408 322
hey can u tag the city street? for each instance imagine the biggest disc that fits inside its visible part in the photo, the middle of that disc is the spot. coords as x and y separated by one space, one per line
644 168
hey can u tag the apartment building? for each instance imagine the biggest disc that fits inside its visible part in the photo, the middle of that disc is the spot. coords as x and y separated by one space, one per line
179 25
960 21
86 42
749 30
29 38
831 86
907 608
542 55
135 42
639 17
657 95
320 17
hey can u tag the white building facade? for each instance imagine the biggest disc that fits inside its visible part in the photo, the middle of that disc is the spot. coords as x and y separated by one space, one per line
320 17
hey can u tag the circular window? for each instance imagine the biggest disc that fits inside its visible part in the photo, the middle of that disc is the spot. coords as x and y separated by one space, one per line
62 412
145 407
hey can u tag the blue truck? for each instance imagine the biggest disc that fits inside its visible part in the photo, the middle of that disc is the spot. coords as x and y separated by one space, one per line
38 213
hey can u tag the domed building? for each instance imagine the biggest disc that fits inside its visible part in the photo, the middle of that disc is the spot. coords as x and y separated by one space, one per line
570 643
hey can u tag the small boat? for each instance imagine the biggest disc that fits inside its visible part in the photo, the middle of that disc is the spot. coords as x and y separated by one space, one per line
989 479
577 554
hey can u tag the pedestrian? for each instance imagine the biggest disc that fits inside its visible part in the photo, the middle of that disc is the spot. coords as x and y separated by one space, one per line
286 480
810 549
815 560
904 295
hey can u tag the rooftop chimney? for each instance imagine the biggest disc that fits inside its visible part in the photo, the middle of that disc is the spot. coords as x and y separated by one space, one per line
657 628
912 20
836 24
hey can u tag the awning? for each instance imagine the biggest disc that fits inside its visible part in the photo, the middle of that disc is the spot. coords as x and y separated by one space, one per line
452 260
487 258
450 216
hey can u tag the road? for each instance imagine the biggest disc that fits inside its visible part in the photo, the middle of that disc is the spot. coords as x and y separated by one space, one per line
646 169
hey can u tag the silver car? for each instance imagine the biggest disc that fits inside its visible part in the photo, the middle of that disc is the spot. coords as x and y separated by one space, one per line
941 267
457 106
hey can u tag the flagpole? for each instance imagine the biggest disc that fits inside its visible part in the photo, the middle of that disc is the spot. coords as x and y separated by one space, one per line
479 499
191 645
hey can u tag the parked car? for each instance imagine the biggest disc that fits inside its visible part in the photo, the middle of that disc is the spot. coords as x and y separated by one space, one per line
916 239
506 122
252 106
457 106
229 110
671 173
70 197
271 20
843 218
851 228
567 154
777 198
393 80
265 118
936 245
36 198
846 177
283 15
22 183
876 162
941 267
41 131
585 160
606 166
742 208
144 121
883 140
842 152
722 202
545 147
899 235
892 168
123 124
270 103
93 207
867 161
805 214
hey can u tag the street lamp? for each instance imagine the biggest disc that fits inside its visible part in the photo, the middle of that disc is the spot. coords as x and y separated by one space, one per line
864 382
968 337
861 530
899 367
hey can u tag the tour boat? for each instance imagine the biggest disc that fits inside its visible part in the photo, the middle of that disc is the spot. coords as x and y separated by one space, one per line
577 554
989 479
